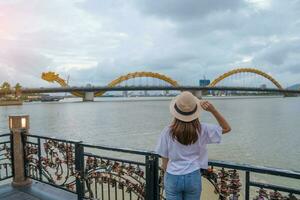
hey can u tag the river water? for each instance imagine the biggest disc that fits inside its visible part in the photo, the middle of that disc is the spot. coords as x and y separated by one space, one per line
265 131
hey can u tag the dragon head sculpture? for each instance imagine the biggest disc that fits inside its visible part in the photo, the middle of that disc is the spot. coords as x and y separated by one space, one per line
50 76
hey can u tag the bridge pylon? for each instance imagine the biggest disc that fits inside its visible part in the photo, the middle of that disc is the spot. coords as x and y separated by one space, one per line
89 96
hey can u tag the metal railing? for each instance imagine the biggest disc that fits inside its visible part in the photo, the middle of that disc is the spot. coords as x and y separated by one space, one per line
135 177
227 182
6 169
102 172
76 167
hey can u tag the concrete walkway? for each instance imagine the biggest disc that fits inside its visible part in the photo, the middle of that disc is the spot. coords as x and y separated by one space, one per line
38 191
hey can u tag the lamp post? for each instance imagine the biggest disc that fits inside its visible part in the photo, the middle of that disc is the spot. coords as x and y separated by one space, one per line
19 125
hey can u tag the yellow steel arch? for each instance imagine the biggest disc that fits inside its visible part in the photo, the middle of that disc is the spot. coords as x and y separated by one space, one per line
52 76
136 75
243 70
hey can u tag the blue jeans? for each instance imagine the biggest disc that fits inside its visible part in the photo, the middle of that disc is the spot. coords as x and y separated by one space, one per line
183 187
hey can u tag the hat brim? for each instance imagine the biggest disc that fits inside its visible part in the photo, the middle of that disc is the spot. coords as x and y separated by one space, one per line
185 118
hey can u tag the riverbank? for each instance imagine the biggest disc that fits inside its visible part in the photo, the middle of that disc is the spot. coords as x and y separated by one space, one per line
11 102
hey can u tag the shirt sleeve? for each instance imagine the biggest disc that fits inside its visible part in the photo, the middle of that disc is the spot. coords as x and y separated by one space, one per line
162 144
212 133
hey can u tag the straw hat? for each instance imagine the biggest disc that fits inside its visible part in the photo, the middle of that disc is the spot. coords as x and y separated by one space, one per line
185 107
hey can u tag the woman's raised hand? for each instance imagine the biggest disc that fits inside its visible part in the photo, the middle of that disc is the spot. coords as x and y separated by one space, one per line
221 120
206 105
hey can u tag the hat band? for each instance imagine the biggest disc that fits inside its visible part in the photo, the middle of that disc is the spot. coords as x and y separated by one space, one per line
185 113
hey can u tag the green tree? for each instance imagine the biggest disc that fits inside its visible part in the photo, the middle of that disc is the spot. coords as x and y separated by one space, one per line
17 89
5 88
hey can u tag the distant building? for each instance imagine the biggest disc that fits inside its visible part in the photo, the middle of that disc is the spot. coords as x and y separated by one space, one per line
204 82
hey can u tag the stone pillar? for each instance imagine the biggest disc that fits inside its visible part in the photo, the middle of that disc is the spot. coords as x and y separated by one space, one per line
19 125
88 96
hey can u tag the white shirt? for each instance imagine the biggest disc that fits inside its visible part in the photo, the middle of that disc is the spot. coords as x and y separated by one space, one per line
184 159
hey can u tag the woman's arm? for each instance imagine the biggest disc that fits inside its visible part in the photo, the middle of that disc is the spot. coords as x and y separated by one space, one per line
164 163
221 120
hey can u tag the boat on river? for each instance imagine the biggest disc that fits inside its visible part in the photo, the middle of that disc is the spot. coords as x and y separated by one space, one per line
50 98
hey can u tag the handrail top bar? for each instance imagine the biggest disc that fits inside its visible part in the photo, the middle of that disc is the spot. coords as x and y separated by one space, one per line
256 169
5 134
102 147
5 142
54 138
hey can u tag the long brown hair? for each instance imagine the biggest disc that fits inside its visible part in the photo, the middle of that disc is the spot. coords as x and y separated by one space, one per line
185 133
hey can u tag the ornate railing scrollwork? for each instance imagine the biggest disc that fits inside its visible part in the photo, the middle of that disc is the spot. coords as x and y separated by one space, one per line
118 176
51 161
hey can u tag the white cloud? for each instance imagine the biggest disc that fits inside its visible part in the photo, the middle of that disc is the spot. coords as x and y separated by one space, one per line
95 41
261 4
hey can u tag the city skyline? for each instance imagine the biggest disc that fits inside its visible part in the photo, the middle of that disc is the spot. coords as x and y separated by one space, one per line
97 41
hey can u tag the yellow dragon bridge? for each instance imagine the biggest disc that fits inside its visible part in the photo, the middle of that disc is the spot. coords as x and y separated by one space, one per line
53 77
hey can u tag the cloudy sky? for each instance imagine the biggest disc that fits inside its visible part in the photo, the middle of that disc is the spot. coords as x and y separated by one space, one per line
94 41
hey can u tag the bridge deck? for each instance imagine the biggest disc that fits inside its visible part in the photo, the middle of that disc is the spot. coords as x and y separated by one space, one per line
38 191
